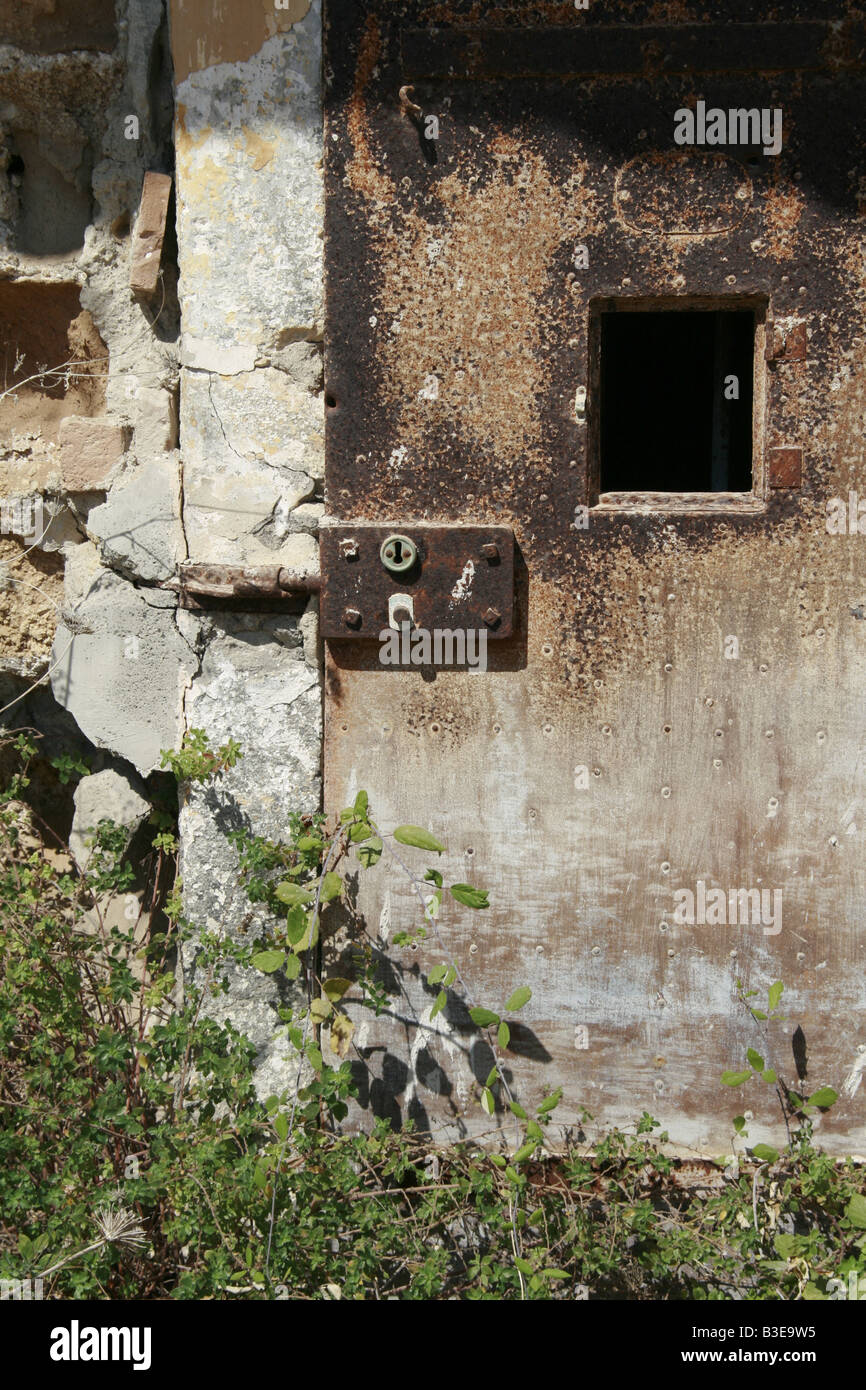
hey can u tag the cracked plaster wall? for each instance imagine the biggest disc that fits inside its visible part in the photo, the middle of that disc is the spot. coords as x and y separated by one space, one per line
202 437
249 195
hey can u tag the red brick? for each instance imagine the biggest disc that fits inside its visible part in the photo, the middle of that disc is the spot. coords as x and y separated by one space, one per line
149 234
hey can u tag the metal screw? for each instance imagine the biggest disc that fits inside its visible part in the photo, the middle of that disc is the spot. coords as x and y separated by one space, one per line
351 617
492 617
490 551
349 549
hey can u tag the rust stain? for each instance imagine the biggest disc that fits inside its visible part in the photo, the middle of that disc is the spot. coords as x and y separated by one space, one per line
461 314
463 299
675 193
454 400
783 208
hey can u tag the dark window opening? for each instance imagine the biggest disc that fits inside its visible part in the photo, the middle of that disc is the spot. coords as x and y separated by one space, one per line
676 400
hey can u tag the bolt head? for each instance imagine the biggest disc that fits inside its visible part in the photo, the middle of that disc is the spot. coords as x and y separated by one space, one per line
492 617
490 551
351 617
349 549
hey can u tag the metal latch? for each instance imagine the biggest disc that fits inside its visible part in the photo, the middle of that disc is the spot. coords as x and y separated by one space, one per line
267 588
448 578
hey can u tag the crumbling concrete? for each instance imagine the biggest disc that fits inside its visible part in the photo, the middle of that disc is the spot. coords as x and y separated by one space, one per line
88 407
249 198
120 666
108 795
138 528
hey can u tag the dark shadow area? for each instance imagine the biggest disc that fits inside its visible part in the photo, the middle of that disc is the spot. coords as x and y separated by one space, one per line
676 401
798 1048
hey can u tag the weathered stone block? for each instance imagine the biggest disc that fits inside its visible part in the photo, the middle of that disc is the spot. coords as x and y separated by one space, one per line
149 234
120 669
138 528
89 451
107 795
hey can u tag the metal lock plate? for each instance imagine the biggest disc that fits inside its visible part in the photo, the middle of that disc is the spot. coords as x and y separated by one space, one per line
462 578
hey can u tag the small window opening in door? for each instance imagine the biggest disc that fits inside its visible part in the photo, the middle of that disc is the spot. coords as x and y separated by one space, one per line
675 400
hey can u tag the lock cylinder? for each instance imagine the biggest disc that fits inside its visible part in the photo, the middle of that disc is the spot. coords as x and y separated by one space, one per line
398 554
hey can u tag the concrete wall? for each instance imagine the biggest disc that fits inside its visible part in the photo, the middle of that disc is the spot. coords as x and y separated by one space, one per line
248 147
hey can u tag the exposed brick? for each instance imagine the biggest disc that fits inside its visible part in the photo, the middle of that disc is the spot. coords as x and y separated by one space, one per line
59 26
89 450
149 234
785 467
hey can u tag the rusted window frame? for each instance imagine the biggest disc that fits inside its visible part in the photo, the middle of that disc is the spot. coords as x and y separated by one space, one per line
749 503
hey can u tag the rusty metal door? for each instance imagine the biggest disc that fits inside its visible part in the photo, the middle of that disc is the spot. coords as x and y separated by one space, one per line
674 696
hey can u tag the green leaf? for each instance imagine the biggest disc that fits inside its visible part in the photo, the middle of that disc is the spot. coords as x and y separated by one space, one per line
310 937
523 1265
756 1061
739 1123
498 1160
362 830
512 1173
765 1153
281 1125
296 924
774 994
520 997
856 1211
534 1131
421 839
370 853
488 1105
336 987
785 1245
439 1003
812 1294
758 1013
314 1057
492 1077
524 1152
434 876
308 842
823 1097
554 1273
469 896
293 967
332 887
483 1017
550 1102
361 803
735 1078
292 893
437 974
450 977
268 961
517 1109
503 1035
319 1010
769 1076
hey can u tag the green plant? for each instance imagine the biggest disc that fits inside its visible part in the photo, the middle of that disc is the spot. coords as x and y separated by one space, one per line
794 1106
137 1161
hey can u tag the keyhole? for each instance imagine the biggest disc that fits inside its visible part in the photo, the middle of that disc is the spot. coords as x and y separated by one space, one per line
398 554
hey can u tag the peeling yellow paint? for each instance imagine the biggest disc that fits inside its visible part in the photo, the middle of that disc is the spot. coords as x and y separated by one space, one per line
261 150
207 32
